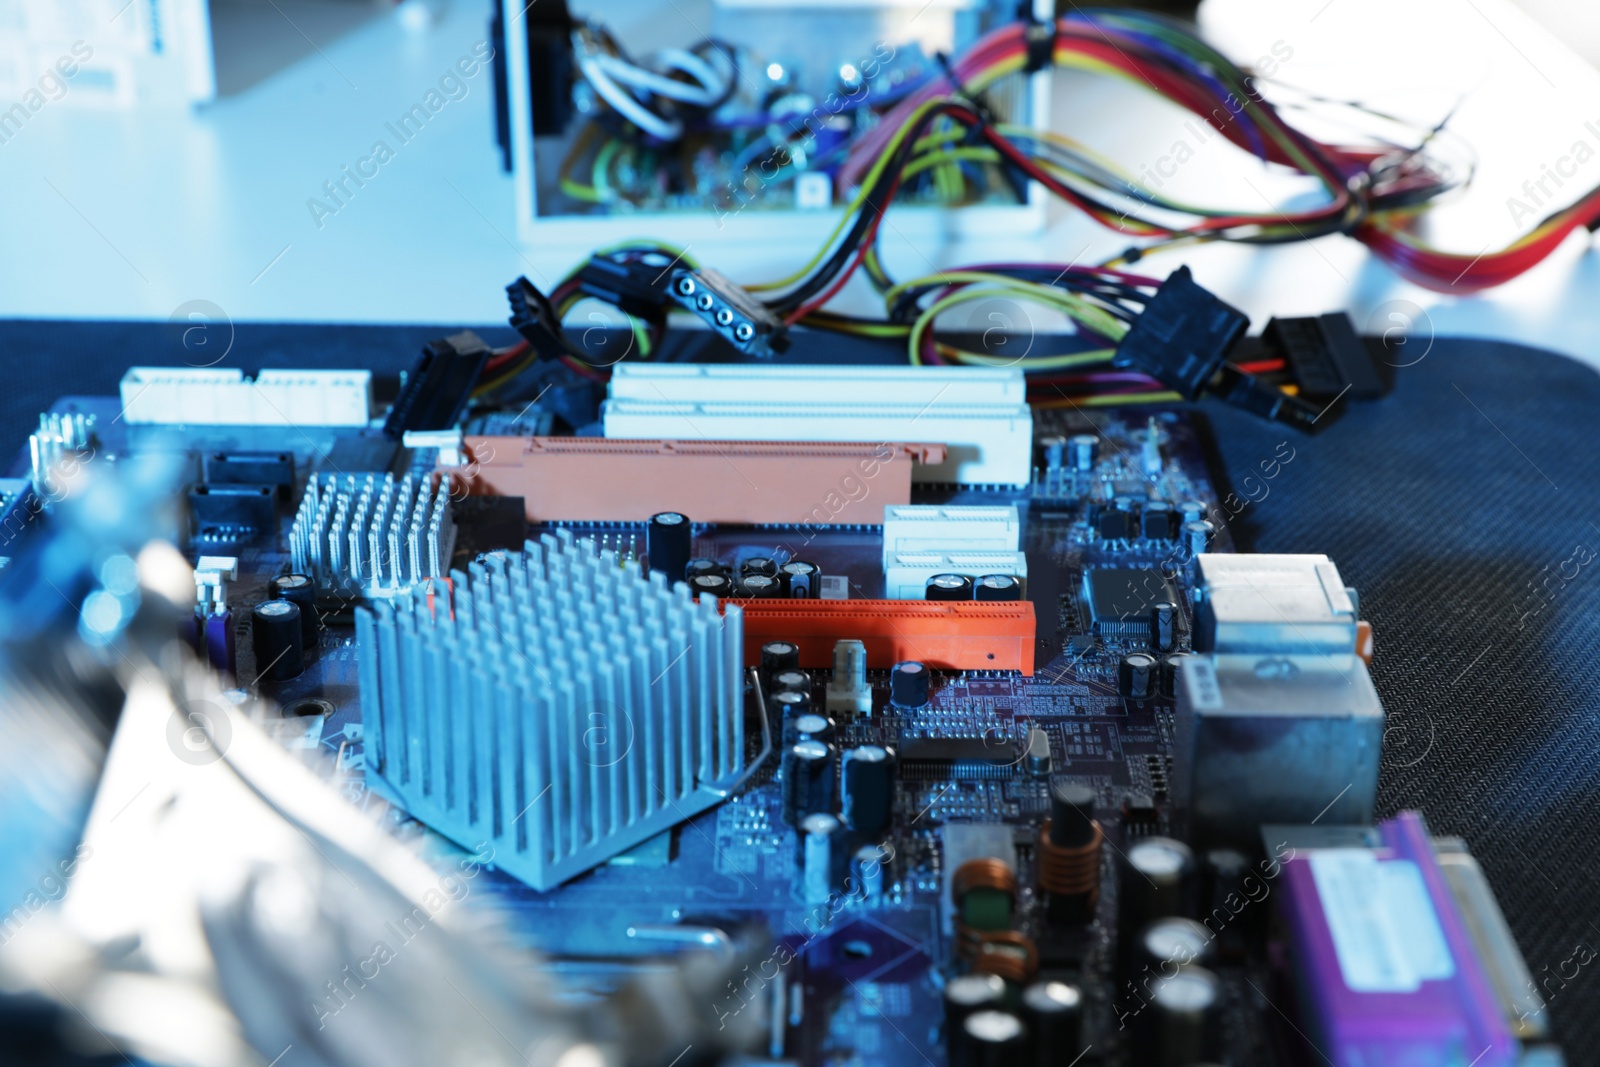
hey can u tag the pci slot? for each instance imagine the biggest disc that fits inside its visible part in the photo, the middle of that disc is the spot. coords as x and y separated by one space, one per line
745 384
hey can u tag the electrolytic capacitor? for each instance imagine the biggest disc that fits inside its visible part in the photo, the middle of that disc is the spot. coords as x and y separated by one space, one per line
760 565
1192 510
800 579
787 705
1178 1027
300 591
908 684
667 542
776 657
870 868
1053 1014
809 726
276 635
967 994
868 797
757 587
1164 626
1155 880
823 848
1137 676
948 587
717 585
1197 536
807 781
697 567
1053 450
1171 671
991 1039
1082 451
1170 943
1232 897
792 681
997 587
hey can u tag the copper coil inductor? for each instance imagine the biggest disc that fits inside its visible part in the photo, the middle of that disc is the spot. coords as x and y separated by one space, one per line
1069 854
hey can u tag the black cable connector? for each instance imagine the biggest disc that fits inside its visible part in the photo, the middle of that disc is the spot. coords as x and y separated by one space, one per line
438 388
534 318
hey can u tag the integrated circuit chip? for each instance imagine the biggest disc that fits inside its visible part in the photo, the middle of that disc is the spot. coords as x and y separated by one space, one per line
1119 599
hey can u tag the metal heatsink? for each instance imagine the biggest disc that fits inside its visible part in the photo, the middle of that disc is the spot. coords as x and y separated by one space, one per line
371 535
556 703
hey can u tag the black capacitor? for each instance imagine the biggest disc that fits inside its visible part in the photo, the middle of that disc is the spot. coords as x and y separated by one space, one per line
792 681
807 781
908 684
758 587
809 726
1179 1025
696 567
1232 899
1170 943
1155 879
991 1039
997 587
948 587
868 797
1171 671
717 585
776 657
967 994
800 579
667 543
1164 626
1053 1014
1158 521
300 591
1082 451
760 565
1197 536
783 708
1138 676
277 637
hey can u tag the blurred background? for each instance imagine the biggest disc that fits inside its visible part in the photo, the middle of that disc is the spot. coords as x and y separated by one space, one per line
186 157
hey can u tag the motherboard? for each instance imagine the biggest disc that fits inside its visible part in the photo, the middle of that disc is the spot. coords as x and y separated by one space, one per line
976 746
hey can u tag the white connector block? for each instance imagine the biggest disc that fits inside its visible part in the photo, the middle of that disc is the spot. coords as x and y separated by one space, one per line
987 445
186 396
906 574
740 383
954 528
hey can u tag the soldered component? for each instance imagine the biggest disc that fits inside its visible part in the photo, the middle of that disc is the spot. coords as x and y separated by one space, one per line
848 689
668 539
276 637
868 799
997 587
373 535
807 781
825 853
1053 1014
909 685
301 591
1180 1025
1155 879
800 579
1070 844
948 587
1138 676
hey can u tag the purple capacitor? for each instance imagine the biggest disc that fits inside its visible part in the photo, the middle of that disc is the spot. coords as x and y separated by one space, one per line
1385 966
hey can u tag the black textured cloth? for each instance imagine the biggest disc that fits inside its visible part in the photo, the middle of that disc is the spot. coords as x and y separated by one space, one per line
1465 508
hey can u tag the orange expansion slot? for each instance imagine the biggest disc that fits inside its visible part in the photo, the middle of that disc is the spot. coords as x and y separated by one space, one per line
601 479
958 635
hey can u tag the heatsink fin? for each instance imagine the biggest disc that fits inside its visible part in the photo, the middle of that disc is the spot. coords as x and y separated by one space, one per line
557 703
372 535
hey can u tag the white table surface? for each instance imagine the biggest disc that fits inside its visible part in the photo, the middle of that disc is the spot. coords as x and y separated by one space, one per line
128 215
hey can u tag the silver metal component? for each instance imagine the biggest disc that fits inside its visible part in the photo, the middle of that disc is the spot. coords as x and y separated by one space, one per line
371 535
60 440
1274 605
557 706
1514 987
1274 739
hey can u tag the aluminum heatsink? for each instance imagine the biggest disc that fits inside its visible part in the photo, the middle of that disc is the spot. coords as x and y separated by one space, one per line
555 703
376 536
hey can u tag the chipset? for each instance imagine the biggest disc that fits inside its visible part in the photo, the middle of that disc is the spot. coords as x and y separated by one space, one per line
1119 599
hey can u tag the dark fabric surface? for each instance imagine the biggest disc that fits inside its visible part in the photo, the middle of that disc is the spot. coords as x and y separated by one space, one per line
1463 507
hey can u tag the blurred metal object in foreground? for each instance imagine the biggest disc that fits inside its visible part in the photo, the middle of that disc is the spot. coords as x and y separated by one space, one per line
225 905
